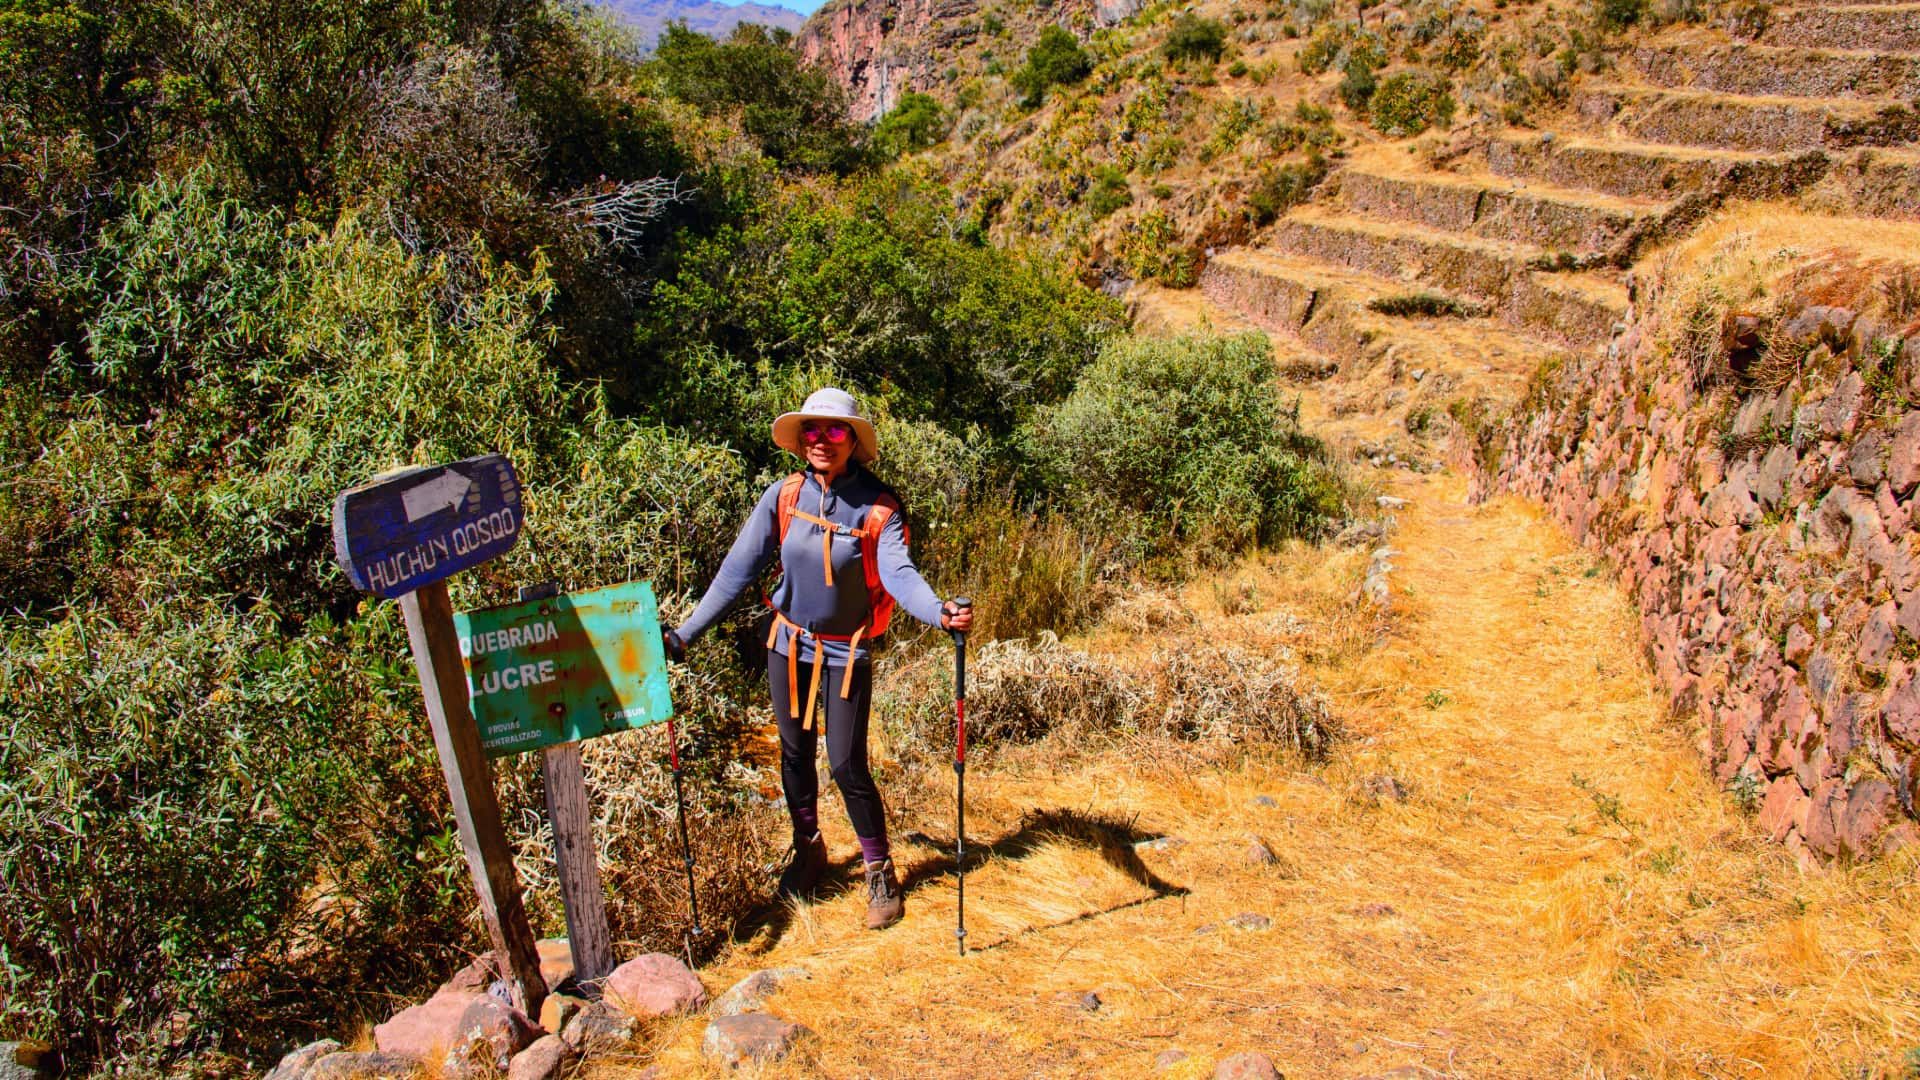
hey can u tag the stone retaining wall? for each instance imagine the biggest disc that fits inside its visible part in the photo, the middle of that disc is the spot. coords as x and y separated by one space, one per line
1751 475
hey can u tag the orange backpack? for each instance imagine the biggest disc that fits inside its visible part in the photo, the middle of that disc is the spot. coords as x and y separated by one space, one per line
880 604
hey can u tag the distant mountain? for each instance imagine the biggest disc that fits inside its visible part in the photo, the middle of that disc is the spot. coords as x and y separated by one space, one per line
650 17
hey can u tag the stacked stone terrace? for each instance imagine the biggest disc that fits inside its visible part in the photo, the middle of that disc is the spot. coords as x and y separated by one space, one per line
1529 233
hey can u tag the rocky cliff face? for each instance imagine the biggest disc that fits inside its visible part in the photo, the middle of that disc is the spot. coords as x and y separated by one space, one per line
881 49
1752 473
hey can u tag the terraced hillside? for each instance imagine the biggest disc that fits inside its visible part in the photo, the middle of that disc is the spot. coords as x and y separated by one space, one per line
1508 246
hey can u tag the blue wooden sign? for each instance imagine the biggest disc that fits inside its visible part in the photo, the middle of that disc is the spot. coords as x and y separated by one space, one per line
564 668
418 526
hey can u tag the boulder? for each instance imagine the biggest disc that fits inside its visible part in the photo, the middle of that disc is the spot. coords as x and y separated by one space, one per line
1877 637
467 1028
1870 805
544 1060
1826 817
475 978
1167 1059
1248 1066
751 993
30 1059
656 984
599 1027
1902 711
1259 854
556 960
1866 461
1784 809
296 1065
377 1065
558 1010
1384 786
1903 460
736 1040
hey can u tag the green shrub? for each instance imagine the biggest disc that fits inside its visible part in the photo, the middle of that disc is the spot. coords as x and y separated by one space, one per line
1357 84
914 123
1192 37
1616 15
796 115
1109 191
1418 305
1184 444
1409 102
204 816
1151 248
1055 60
1279 189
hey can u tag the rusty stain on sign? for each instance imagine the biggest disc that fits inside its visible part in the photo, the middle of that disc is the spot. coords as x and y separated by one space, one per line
564 668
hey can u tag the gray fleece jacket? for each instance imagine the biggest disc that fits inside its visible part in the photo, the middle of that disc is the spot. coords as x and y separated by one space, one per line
802 593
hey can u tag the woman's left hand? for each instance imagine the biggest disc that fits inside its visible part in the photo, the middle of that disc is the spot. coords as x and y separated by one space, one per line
955 617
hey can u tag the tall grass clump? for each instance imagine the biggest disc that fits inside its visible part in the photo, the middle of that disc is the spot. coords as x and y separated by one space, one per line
1183 448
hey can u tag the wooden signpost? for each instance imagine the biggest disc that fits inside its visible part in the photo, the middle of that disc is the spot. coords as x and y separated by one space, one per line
543 673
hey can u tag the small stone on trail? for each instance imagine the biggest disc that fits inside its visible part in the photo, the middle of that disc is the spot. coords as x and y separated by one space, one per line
1383 786
542 1061
1161 843
655 985
1250 1066
1259 854
1250 920
750 1037
1090 1001
752 992
1167 1059
1374 910
374 1066
295 1066
1389 502
1264 800
558 1010
599 1027
1360 1046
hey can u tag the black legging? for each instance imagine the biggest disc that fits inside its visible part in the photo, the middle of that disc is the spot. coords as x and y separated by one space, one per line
846 721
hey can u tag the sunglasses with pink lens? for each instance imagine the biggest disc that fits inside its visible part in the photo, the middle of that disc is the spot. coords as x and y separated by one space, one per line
833 433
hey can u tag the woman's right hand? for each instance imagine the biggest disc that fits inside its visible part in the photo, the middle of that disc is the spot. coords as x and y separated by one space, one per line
676 649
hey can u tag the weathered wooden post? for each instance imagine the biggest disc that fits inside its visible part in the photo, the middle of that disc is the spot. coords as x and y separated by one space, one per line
568 812
401 537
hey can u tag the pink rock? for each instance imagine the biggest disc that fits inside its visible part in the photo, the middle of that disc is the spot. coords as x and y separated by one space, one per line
1870 805
1249 1066
1799 643
544 1060
1903 460
655 985
1909 617
1826 817
1903 835
466 1027
1877 636
1785 808
1902 710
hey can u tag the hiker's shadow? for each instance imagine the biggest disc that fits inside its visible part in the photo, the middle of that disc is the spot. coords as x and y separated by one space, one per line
1113 836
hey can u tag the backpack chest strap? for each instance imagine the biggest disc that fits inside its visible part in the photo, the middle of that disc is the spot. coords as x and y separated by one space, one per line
829 530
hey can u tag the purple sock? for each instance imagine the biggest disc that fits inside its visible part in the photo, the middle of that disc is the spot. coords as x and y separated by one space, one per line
874 848
806 822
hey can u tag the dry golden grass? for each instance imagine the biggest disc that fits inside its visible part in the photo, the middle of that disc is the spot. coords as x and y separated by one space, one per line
1562 893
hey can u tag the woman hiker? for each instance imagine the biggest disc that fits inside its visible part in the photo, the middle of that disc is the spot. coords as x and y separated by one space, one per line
842 546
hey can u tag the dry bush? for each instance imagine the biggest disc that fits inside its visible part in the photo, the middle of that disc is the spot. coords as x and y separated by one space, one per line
1022 691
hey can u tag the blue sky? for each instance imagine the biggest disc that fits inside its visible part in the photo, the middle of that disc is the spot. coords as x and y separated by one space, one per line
804 7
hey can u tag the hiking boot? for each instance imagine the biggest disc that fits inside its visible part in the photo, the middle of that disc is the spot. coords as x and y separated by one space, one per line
802 875
885 904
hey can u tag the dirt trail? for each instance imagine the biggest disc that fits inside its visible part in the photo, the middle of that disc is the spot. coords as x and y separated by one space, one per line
1561 892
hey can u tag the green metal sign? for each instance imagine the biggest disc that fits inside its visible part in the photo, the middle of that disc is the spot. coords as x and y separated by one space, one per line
564 668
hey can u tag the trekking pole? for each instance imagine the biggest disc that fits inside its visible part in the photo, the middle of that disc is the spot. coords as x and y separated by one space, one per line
960 604
686 849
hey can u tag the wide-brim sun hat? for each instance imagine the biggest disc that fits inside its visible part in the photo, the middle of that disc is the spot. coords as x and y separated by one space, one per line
827 403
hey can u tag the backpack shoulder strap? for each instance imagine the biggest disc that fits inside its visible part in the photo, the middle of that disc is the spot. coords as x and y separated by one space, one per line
789 498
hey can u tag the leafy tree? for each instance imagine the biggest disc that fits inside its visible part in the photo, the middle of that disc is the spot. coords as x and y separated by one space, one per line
1193 37
914 123
1055 60
796 115
1409 102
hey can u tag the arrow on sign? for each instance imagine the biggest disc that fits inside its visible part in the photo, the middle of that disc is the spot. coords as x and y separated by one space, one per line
443 492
